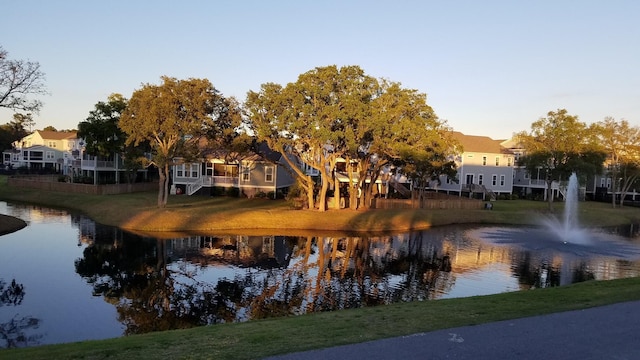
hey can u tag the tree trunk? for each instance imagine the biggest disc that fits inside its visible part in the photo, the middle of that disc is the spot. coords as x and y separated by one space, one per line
162 183
613 188
309 185
336 192
550 194
322 199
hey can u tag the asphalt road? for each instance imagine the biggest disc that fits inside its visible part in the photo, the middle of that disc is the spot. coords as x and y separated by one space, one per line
607 332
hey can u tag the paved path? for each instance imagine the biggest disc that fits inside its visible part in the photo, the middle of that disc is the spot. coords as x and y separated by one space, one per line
607 332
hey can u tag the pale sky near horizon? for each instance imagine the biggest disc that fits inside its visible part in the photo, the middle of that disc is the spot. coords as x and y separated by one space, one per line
488 67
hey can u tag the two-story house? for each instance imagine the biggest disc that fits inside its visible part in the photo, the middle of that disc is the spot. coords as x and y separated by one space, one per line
62 152
43 151
485 168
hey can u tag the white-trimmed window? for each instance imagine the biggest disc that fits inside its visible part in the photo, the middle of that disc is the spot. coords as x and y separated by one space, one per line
509 161
497 160
187 170
246 175
501 180
494 180
480 179
49 155
268 174
52 144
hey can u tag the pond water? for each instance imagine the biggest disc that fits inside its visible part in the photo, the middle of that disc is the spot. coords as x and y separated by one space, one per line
65 278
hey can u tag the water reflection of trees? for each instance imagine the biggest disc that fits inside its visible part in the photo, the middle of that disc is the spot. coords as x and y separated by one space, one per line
167 284
534 271
14 333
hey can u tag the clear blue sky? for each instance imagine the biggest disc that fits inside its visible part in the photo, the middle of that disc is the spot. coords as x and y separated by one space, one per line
488 67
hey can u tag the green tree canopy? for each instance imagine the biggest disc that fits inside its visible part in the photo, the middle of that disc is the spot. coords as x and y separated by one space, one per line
15 130
172 117
100 130
559 145
333 113
621 142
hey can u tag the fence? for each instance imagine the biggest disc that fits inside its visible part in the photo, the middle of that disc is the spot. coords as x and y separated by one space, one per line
51 183
436 201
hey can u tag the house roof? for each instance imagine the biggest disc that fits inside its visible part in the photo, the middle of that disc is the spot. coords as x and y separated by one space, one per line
479 144
261 152
57 135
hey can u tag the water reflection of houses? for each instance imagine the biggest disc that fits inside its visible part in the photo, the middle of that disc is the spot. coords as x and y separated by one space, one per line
241 250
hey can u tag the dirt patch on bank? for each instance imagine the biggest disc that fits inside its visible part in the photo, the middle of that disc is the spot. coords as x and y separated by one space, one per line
9 224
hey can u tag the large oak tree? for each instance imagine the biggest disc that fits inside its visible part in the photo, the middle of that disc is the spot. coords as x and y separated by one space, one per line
333 113
172 117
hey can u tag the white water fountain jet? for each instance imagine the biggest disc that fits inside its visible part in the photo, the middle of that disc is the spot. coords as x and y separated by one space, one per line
568 230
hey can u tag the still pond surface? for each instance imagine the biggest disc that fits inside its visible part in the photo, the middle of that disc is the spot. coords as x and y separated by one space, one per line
65 278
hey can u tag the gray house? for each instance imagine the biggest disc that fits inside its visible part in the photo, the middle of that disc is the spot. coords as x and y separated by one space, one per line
252 174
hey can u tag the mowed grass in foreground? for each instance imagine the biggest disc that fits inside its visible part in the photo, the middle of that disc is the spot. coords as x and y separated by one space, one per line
261 338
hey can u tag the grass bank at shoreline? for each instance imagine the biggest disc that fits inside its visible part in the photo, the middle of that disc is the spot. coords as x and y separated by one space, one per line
138 212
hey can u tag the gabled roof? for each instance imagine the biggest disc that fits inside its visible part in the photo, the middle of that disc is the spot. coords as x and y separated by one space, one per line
261 152
57 135
479 144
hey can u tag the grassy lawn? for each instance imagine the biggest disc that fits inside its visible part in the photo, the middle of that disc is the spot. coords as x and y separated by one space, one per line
138 212
262 338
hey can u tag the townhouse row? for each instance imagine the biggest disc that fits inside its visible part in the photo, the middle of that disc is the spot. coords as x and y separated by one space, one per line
487 169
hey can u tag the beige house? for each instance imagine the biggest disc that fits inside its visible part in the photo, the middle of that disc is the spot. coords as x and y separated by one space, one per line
46 151
485 168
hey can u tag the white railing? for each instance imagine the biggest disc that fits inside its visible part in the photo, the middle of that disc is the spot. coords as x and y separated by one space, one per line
197 184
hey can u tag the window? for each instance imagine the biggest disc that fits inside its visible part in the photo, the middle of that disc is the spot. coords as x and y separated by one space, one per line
484 160
52 144
497 160
209 168
246 175
480 179
509 161
494 180
268 174
602 180
187 170
501 180
608 183
49 155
